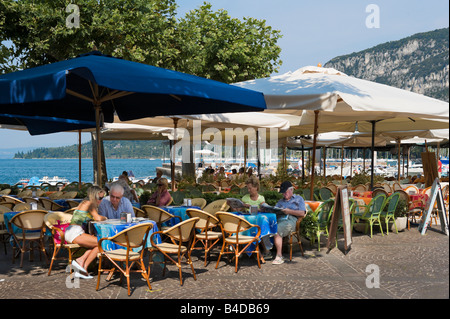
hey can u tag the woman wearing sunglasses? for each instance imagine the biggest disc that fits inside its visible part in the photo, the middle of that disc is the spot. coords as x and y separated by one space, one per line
75 234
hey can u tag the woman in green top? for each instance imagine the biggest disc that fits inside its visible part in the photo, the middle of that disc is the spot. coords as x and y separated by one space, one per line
253 198
87 210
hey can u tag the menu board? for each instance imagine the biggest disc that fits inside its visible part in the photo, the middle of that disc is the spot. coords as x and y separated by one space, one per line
435 199
341 211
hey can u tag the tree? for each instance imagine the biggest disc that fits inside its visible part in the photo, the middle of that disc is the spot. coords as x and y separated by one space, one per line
215 46
136 30
205 43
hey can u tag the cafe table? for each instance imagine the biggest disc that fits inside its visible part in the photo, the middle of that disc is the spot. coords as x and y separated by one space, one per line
179 211
268 224
111 227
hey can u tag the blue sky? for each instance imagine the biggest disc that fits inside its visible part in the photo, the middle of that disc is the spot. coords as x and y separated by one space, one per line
313 32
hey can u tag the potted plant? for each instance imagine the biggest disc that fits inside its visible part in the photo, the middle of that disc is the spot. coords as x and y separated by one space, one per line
400 214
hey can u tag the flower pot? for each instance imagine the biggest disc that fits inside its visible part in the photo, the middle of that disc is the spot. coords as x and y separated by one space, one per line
401 223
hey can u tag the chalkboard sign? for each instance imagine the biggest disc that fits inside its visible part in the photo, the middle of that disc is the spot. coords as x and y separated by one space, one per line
341 212
437 198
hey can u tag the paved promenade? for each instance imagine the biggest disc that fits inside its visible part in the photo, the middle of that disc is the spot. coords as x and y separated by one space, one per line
411 266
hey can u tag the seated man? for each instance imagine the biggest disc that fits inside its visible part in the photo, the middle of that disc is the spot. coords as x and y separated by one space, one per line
294 207
114 204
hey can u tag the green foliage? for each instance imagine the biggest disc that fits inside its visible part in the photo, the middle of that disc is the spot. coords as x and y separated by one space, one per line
206 43
143 199
363 178
309 226
401 209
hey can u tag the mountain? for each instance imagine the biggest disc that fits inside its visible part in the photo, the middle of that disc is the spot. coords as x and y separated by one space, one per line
418 63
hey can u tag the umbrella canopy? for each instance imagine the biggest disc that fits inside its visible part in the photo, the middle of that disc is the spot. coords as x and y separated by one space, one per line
94 87
69 89
327 96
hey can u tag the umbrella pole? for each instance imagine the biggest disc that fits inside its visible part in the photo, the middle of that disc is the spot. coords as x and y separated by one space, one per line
399 163
316 118
342 162
99 144
373 152
79 159
172 166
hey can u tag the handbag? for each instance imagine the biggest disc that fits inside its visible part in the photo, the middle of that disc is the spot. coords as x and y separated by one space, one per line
57 234
88 227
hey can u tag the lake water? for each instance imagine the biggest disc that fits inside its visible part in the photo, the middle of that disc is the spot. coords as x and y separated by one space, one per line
12 170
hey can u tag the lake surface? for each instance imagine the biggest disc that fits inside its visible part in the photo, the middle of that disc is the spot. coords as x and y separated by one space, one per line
12 170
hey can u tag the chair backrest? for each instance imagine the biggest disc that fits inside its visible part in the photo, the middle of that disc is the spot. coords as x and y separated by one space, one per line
376 205
132 237
70 210
9 205
360 188
29 219
30 200
10 199
387 187
206 220
5 191
139 212
412 189
332 187
397 187
25 193
403 195
182 231
52 218
55 195
200 202
156 214
392 202
216 206
232 223
69 195
324 212
48 204
4 209
427 191
326 193
21 207
378 191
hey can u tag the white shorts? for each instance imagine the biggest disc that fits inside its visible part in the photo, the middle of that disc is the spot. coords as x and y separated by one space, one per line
72 232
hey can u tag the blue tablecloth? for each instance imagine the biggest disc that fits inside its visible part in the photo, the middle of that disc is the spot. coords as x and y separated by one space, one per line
63 202
179 211
110 228
268 224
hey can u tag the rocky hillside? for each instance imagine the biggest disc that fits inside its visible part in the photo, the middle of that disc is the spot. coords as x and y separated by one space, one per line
418 63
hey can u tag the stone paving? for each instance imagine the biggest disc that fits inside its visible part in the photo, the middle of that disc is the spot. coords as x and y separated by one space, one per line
411 266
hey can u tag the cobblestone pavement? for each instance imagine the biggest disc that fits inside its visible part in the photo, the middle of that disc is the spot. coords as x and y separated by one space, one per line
411 266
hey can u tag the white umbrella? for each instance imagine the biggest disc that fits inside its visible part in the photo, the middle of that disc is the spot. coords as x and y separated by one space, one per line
342 100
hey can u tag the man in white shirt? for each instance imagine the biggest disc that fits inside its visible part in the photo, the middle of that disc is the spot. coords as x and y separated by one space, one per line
114 204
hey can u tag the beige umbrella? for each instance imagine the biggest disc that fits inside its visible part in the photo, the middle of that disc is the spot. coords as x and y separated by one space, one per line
318 93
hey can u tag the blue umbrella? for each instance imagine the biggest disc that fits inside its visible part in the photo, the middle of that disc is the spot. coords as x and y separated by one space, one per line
69 89
93 87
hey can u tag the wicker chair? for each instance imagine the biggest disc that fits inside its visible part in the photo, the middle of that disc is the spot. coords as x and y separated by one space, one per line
216 206
232 225
53 221
179 234
29 222
133 237
206 236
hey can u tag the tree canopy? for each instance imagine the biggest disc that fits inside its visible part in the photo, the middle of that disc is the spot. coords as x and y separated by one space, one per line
206 43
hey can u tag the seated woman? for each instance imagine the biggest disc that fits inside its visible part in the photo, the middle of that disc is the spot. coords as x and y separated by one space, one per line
75 234
161 197
252 198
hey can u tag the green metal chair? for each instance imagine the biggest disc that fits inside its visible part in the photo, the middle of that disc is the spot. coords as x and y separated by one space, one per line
388 214
325 193
371 213
323 213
